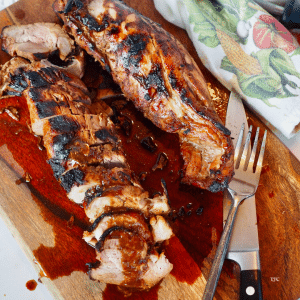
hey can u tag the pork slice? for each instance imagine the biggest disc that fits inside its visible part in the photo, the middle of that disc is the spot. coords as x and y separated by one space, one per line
48 91
66 152
36 41
122 262
82 139
74 64
44 103
157 205
161 230
111 262
130 196
79 180
129 220
12 81
125 196
158 268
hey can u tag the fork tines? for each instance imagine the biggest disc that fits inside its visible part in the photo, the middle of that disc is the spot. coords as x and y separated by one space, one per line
245 158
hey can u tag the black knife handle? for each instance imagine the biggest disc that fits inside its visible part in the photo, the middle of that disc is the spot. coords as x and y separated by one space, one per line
250 286
291 14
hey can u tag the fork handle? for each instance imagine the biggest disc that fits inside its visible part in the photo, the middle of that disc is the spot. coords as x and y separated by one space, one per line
221 252
250 285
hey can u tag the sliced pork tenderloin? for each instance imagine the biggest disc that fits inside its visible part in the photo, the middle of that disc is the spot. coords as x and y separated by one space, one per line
131 220
86 157
161 230
151 268
126 196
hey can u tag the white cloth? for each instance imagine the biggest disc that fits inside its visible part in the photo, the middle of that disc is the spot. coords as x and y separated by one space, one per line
247 50
5 3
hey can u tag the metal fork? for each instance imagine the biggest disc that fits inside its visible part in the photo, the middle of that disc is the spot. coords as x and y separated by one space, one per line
243 185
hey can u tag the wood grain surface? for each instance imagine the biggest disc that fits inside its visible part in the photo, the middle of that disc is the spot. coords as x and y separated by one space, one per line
278 201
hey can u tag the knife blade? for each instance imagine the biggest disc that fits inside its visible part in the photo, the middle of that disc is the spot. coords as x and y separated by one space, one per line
244 244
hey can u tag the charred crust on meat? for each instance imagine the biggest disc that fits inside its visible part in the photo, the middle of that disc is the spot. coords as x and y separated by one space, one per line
71 178
107 68
124 176
70 4
172 80
40 56
126 124
114 30
63 124
12 93
92 193
105 135
216 123
59 145
44 108
187 131
131 48
154 82
106 233
147 97
93 265
57 167
215 172
35 79
149 144
164 186
161 161
91 46
184 98
218 186
68 7
49 74
34 94
91 22
97 221
136 43
18 83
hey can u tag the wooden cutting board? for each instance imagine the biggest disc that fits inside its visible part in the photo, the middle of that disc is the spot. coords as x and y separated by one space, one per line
278 206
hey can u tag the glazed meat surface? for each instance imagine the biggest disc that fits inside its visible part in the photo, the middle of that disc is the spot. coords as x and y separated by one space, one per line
156 72
87 159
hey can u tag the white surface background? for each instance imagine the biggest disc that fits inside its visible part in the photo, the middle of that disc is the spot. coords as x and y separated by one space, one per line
15 268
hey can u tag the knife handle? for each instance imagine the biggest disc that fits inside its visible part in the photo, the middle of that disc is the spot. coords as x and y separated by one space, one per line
250 286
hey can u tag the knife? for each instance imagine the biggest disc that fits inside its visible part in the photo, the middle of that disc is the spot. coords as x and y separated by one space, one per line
244 244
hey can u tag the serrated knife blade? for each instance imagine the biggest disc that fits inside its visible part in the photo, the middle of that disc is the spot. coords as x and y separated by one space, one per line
244 244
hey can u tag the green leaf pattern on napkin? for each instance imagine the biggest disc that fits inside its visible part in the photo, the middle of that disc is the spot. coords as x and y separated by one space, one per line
208 18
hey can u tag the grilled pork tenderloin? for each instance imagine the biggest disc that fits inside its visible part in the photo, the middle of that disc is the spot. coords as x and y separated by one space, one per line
44 41
86 157
156 72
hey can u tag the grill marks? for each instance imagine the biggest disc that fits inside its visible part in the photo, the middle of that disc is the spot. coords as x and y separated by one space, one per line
84 153
157 73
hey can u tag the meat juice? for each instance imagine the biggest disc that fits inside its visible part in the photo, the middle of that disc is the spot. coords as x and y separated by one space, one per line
194 211
31 285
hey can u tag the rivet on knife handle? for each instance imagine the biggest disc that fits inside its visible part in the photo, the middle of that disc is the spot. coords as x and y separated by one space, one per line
250 285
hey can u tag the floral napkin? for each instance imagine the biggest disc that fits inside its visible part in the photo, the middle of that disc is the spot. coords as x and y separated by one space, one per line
248 51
